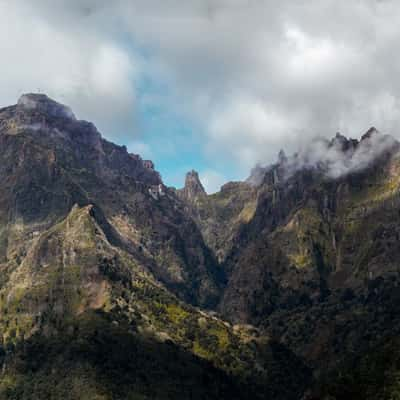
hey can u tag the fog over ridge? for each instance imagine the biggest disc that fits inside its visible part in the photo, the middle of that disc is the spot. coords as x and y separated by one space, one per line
335 158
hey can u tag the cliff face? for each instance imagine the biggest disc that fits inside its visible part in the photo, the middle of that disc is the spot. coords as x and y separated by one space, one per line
100 269
193 188
220 215
319 234
51 161
316 263
107 273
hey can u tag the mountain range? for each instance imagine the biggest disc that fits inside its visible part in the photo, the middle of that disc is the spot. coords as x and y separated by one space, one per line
115 286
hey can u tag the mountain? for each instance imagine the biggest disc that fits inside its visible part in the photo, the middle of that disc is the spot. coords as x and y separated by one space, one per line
316 263
51 162
107 287
220 215
115 286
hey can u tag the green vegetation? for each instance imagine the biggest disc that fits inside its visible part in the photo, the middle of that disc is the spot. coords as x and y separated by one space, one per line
81 319
99 359
103 271
221 215
371 376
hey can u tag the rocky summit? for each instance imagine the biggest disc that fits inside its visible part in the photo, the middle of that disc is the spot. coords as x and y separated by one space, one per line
115 286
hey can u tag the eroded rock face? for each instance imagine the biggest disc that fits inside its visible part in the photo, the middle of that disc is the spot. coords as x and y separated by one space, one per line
193 188
100 267
94 245
317 247
52 161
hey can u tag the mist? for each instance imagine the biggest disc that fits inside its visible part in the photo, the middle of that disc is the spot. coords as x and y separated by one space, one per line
335 158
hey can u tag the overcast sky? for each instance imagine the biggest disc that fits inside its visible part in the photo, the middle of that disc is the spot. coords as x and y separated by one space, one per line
215 85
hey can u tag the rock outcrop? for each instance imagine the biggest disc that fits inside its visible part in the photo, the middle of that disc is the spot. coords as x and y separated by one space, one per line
193 189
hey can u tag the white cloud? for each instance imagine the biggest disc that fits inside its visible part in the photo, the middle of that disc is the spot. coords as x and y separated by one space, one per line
212 180
250 130
84 69
258 76
141 148
330 156
313 59
252 76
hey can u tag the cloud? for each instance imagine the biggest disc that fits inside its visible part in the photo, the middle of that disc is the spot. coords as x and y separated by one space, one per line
212 180
339 157
258 76
251 130
141 148
251 76
333 158
79 66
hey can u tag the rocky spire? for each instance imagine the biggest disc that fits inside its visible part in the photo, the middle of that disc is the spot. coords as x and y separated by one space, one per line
370 132
193 187
282 158
342 143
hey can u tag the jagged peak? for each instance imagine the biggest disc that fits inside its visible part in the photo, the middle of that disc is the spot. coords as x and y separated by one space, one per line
44 104
38 116
342 143
193 187
334 157
370 132
340 137
282 158
192 182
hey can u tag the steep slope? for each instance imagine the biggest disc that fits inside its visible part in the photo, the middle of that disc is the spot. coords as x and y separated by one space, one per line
220 215
78 302
372 375
51 161
101 267
110 282
316 265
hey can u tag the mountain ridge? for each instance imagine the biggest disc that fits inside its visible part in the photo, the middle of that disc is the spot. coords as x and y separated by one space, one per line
97 253
265 289
316 263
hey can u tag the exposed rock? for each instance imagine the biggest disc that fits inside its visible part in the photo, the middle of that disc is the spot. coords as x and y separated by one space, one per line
370 132
193 188
311 241
46 171
100 267
40 103
282 158
343 144
98 258
257 175
148 164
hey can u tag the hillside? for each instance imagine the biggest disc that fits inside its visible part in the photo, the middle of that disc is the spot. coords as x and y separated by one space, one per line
315 262
115 286
106 283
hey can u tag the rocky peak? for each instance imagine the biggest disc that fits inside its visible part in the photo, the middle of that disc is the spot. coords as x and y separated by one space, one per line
282 158
45 116
339 138
193 186
342 143
40 103
53 127
370 132
148 164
